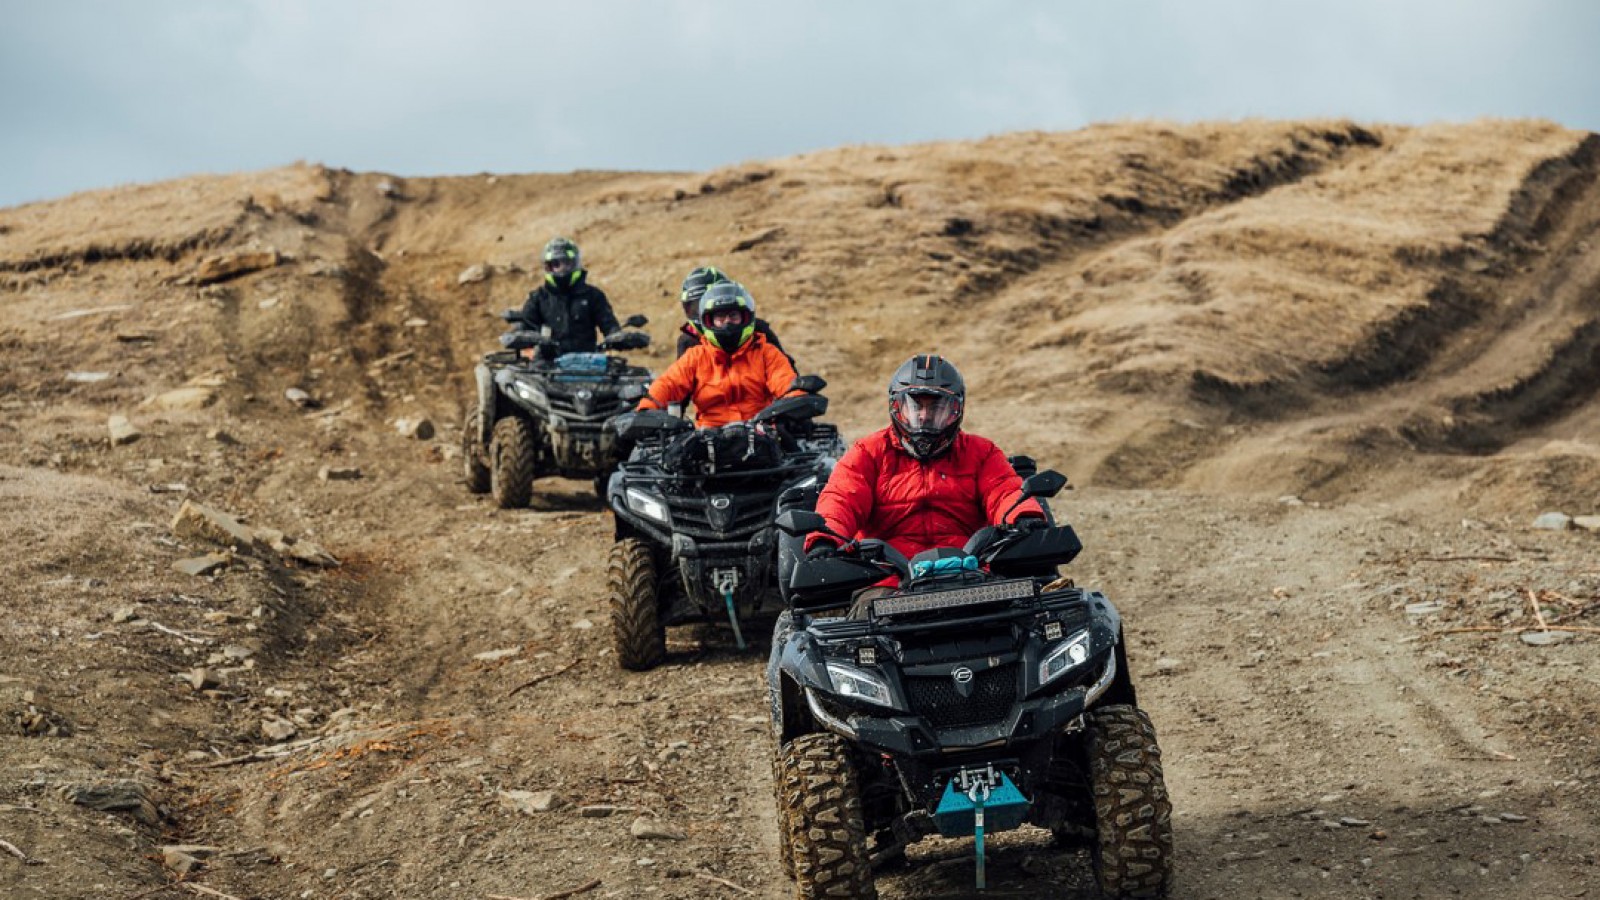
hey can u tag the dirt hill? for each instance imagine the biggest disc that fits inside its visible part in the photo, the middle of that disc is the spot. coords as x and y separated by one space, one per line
1314 381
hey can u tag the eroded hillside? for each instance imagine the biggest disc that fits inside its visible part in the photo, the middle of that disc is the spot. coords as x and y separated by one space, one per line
1396 330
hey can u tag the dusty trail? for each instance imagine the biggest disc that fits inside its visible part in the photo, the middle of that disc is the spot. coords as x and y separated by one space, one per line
1288 696
1394 328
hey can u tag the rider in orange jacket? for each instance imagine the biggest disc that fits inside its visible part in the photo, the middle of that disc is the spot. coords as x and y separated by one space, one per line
733 373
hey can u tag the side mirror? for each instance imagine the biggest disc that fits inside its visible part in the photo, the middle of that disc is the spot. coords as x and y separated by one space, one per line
522 340
631 392
1044 484
637 320
800 522
811 384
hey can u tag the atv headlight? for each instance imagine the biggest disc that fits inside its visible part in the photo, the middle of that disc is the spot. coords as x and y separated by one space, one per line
805 482
648 505
1069 655
530 393
858 684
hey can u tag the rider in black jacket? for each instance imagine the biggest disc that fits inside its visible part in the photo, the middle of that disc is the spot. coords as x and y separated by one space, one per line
694 286
567 304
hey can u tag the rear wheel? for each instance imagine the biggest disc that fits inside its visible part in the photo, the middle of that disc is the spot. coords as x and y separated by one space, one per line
820 814
636 629
1133 815
512 457
473 464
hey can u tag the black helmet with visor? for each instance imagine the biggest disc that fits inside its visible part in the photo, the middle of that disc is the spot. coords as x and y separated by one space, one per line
727 315
927 399
694 287
562 263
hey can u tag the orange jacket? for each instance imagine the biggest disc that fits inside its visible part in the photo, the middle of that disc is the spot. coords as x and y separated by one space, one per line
724 387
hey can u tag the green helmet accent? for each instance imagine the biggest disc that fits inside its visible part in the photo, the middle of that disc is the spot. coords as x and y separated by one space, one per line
563 264
728 296
694 286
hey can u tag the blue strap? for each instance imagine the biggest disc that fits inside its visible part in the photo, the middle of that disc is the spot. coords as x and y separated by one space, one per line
977 836
950 565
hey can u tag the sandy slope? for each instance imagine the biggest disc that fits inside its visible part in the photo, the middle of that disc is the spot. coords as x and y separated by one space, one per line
1396 325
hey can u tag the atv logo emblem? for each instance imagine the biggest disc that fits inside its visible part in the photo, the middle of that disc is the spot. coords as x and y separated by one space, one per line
963 679
584 401
721 512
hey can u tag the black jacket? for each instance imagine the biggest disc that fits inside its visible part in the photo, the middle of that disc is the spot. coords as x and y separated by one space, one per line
688 337
573 314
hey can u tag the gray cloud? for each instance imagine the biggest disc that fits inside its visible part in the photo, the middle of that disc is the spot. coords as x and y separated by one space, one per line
105 93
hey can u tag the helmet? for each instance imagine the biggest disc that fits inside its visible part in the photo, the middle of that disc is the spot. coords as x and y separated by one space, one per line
723 297
695 285
926 401
563 264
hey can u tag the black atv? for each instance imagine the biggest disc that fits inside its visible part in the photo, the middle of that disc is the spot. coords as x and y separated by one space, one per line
694 512
547 414
983 694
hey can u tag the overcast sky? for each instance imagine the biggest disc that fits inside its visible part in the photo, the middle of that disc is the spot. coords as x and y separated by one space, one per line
94 94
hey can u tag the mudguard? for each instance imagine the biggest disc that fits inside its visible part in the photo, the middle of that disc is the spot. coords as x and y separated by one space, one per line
486 402
793 666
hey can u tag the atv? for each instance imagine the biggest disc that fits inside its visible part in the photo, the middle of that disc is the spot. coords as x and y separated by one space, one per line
540 414
694 513
983 694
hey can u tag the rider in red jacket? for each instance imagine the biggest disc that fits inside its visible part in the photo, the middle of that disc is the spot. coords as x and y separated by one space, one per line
922 482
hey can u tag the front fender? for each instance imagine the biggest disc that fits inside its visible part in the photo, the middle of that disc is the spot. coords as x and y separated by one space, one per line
486 402
793 666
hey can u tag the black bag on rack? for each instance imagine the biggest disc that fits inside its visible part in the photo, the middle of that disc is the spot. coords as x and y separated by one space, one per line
733 447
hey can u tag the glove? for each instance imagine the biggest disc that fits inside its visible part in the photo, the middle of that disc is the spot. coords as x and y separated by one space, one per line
822 551
1030 523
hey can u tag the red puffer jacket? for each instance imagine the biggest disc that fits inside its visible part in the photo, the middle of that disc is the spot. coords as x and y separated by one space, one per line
878 491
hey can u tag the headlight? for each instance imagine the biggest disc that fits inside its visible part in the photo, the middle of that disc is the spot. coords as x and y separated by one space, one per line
530 393
1074 652
805 482
859 684
648 505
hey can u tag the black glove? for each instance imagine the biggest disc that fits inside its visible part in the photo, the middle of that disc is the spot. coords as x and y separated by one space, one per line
822 551
1030 523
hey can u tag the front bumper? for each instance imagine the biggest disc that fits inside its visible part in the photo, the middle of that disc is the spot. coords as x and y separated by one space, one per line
909 734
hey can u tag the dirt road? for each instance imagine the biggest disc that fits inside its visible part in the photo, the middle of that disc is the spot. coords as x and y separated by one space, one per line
1379 684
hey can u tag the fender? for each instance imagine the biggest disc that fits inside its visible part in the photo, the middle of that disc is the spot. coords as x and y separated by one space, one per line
794 665
486 403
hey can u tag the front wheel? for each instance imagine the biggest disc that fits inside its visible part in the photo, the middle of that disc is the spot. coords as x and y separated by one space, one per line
473 465
819 813
636 629
512 458
1133 815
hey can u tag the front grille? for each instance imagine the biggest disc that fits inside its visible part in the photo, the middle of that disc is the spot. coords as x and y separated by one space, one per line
936 699
692 516
603 405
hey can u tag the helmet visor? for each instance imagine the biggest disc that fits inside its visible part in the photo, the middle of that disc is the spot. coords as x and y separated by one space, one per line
727 317
926 410
560 265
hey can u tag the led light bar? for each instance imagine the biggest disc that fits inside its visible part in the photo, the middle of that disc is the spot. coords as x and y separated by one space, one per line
938 600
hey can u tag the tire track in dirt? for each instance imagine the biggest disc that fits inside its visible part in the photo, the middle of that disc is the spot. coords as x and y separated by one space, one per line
1507 344
1134 451
1065 248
